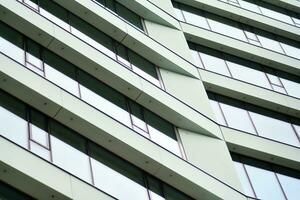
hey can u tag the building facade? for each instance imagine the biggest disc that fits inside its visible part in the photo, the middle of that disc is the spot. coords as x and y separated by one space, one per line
150 99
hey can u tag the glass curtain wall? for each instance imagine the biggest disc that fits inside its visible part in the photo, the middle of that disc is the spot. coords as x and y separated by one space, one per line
63 147
237 30
97 39
255 120
245 70
264 180
267 10
89 89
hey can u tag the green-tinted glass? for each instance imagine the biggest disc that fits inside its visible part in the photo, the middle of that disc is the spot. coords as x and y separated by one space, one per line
59 64
101 89
55 9
38 119
116 163
68 136
159 124
142 63
12 104
129 16
91 31
11 35
9 193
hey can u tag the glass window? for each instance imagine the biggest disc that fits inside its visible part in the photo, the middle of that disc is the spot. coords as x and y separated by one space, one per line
61 80
264 183
129 15
155 188
160 124
227 30
237 118
70 159
249 6
214 64
274 129
92 36
60 72
290 185
291 87
172 194
104 98
38 128
7 192
142 64
244 179
11 43
248 75
197 59
179 14
122 55
39 150
270 44
196 20
218 112
13 113
55 13
291 51
276 15
116 177
33 55
67 148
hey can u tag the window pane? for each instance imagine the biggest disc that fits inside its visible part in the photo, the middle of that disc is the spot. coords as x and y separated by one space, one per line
196 19
116 163
39 135
102 89
227 30
265 183
39 150
105 106
164 141
116 184
61 80
92 36
214 64
291 51
244 179
7 192
13 113
142 64
276 15
129 15
160 124
196 57
274 129
33 56
291 186
15 128
270 44
237 118
11 43
70 159
172 194
55 13
291 87
248 75
218 112
179 14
